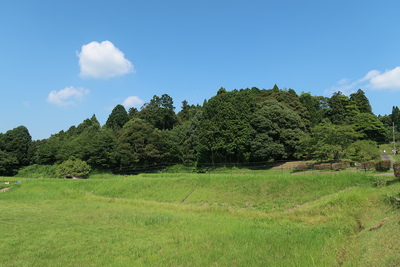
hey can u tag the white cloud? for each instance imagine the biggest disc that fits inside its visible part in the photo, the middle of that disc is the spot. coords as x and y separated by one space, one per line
374 79
371 74
67 96
103 60
390 79
132 101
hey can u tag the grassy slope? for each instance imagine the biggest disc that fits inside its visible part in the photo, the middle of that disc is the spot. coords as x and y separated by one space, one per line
225 220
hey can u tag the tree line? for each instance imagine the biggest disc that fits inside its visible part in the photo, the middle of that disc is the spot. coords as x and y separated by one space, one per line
232 127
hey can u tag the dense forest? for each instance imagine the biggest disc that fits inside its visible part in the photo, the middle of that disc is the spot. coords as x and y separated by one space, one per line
249 125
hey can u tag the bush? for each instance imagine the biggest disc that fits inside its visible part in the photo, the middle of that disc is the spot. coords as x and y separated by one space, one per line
382 166
38 171
179 168
301 167
338 166
73 167
367 166
380 182
322 166
396 169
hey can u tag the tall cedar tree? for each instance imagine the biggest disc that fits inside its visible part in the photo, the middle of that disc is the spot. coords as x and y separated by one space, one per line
225 130
117 118
361 101
160 112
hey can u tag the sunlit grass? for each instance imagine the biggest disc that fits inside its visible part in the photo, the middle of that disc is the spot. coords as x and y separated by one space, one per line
200 220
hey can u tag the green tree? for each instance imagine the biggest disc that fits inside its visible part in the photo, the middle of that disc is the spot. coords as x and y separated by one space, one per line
361 101
184 138
8 164
187 111
117 118
316 106
160 112
369 126
138 146
341 109
288 98
388 124
395 116
225 129
47 150
363 150
17 142
133 112
74 167
221 90
94 145
327 141
277 131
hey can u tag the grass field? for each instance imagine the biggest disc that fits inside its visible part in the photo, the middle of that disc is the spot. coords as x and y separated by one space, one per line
226 219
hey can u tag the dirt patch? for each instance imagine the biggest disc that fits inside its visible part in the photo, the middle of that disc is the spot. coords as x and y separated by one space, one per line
5 189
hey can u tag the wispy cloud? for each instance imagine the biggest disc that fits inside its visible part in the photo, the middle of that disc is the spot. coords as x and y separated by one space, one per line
103 61
132 101
67 96
390 79
374 80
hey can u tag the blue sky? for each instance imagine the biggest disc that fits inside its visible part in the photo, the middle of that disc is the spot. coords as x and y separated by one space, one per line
63 61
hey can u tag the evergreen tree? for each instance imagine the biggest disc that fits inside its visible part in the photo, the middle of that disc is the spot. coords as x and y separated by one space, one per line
138 146
370 128
184 114
17 142
225 130
160 112
361 101
289 99
314 106
8 164
117 118
395 116
341 109
277 130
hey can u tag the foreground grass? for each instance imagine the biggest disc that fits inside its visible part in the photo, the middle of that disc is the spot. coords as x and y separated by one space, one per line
200 220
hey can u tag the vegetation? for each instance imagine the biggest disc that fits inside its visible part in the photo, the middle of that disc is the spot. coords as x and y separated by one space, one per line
73 168
232 219
249 125
176 212
382 166
396 168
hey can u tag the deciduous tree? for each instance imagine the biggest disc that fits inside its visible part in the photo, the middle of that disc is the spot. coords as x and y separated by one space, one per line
277 131
328 141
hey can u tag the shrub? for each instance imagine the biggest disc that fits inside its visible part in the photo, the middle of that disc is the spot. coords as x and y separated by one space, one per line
322 166
73 167
367 166
380 182
179 168
38 171
382 166
302 167
338 166
396 169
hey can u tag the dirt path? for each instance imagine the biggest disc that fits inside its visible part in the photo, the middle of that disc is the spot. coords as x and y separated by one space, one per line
5 189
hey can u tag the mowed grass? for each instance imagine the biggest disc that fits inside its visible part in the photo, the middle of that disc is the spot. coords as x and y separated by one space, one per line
201 220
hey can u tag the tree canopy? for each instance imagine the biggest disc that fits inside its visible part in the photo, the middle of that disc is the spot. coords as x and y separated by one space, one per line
238 126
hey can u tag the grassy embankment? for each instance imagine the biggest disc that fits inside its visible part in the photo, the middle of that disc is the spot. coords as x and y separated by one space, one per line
201 220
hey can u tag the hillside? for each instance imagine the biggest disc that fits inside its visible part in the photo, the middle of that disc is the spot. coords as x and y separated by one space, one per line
201 220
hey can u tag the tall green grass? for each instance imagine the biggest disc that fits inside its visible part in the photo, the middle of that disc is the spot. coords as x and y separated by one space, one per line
224 220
